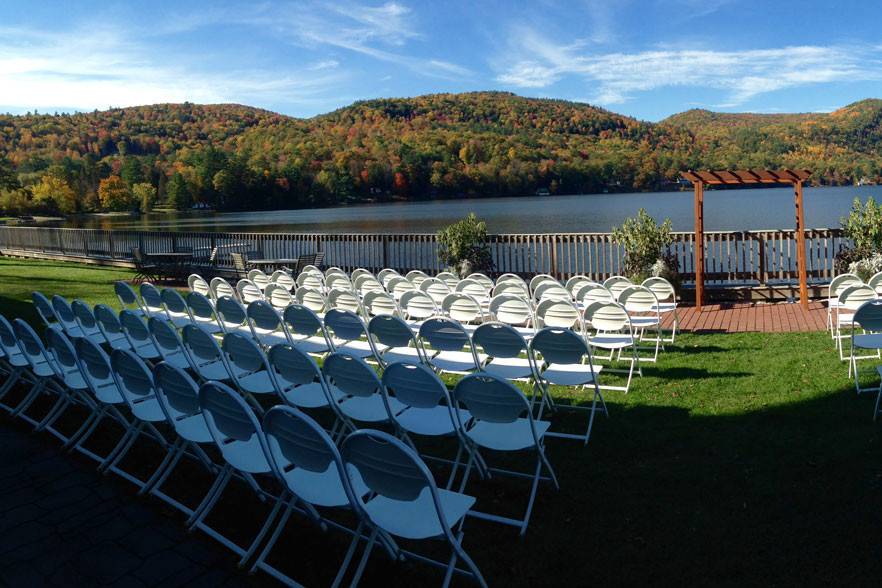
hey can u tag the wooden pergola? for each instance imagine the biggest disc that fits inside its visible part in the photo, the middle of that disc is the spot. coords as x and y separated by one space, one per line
744 177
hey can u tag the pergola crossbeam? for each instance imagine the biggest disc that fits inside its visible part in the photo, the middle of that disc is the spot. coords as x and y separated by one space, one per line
700 179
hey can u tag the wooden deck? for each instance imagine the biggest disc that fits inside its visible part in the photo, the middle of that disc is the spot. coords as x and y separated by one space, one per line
757 317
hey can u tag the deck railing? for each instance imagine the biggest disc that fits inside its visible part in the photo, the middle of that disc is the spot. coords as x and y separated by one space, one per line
731 256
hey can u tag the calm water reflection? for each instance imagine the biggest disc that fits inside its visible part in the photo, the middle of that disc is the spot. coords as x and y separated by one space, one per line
770 208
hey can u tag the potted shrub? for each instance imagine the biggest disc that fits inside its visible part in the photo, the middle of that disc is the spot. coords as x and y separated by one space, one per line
646 248
464 246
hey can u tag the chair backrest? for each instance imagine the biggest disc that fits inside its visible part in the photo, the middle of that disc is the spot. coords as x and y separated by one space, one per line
283 279
840 282
344 300
32 347
449 278
551 291
220 287
177 393
359 272
663 289
379 303
44 308
462 307
132 377
278 296
558 313
165 337
334 270
391 331
398 285
302 320
869 316
607 316
492 399
345 325
510 277
435 288
134 327
310 280
234 428
126 295
108 321
63 312
418 305
638 299
590 293
95 367
338 281
248 291
239 263
84 316
200 345
616 284
64 358
539 278
231 313
197 283
351 375
559 345
482 279
389 469
853 297
265 321
444 334
259 278
297 442
513 288
573 284
151 296
875 282
8 340
499 340
474 288
293 366
416 277
511 309
384 275
415 385
243 353
200 307
173 301
364 284
311 298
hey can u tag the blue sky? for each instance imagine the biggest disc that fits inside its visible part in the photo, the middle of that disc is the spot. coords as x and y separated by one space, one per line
644 58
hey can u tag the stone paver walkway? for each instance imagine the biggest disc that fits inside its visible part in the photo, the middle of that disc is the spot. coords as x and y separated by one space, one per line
64 524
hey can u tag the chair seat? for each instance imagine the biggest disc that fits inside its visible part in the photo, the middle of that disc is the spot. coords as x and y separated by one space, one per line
306 396
417 519
433 421
118 341
74 331
179 319
359 349
402 355
456 361
611 340
322 488
214 370
146 350
313 344
257 383
148 410
665 307
193 428
570 374
510 368
868 341
270 338
208 325
177 359
17 360
644 321
512 436
368 409
247 456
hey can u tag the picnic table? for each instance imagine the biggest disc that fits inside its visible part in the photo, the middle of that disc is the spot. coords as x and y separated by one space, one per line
174 264
274 263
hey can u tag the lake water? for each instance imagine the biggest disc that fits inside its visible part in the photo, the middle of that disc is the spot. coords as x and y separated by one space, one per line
766 208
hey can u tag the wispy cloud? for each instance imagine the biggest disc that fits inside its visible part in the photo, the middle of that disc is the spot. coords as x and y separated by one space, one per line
103 66
742 75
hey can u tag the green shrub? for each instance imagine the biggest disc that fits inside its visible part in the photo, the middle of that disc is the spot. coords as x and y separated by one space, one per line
645 243
864 226
464 246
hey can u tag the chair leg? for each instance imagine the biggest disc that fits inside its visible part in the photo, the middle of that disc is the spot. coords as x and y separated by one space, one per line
347 559
273 538
280 501
364 558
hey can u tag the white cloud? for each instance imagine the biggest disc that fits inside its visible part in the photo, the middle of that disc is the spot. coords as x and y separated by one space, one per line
99 67
535 62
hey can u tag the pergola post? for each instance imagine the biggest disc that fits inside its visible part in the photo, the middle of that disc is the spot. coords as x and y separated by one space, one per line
699 244
800 245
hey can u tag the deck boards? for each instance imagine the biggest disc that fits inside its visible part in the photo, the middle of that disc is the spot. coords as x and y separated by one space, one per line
751 317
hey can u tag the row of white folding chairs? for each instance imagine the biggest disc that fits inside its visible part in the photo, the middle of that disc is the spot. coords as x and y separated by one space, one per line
287 445
241 361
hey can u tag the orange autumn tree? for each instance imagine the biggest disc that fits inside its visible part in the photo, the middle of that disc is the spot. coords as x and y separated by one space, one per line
113 193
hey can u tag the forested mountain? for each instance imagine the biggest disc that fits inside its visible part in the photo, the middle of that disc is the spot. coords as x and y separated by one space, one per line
487 143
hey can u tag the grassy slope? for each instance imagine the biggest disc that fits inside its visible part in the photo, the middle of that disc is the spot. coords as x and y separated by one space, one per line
737 459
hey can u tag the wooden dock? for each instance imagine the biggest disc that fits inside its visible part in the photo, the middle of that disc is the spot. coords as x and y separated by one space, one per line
751 317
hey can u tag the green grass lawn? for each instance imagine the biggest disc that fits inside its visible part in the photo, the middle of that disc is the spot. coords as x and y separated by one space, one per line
737 459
